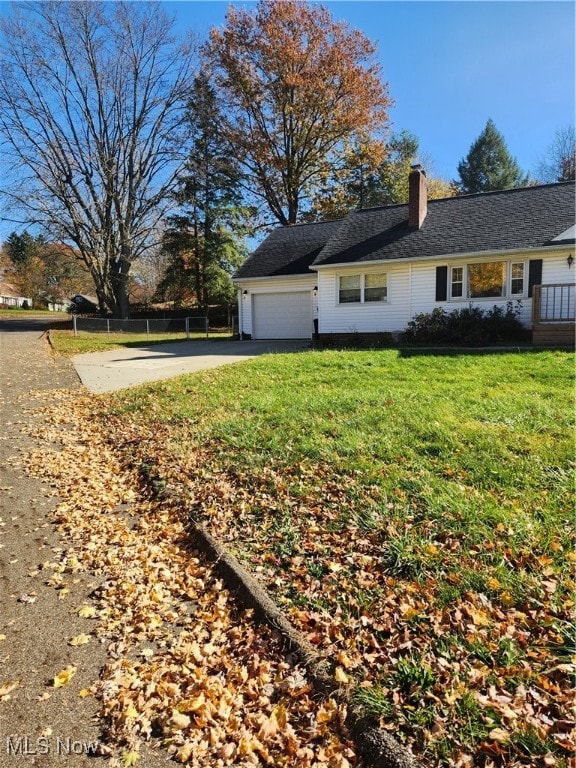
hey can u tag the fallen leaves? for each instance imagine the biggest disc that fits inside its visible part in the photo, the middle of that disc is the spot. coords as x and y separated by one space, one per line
340 676
64 677
81 639
130 758
7 688
438 636
185 664
27 599
441 644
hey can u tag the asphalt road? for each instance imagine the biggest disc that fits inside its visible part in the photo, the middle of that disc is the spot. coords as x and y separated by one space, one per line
40 726
34 624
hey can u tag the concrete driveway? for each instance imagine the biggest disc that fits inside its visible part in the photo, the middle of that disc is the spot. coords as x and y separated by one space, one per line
129 367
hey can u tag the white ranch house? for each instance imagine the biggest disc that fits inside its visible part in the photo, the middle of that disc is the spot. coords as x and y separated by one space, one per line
10 297
373 271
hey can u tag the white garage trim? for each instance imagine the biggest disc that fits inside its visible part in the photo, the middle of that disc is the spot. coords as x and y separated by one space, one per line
285 315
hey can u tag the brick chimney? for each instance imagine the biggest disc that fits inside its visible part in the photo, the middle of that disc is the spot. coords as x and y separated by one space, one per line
417 197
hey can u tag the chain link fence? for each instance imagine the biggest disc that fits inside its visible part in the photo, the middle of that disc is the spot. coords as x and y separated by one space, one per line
184 326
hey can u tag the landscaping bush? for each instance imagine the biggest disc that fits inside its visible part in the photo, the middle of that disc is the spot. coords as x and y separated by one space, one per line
470 325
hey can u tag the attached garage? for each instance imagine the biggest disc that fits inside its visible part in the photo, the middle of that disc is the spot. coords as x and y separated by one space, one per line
277 291
286 315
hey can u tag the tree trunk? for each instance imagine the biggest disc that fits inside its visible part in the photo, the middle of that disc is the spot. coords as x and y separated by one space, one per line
91 103
119 280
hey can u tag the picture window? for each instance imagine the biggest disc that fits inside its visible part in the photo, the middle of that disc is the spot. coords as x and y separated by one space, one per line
488 280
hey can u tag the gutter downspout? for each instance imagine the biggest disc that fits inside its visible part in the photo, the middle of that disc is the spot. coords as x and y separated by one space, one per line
240 316
410 278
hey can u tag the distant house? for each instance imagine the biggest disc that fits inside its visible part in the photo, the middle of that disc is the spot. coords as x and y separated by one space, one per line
82 304
373 271
58 306
10 297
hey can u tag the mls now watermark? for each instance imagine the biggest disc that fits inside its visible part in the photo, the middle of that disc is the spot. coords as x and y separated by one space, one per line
23 746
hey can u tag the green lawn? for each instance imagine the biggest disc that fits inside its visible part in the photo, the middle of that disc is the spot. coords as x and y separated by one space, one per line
65 343
412 512
31 313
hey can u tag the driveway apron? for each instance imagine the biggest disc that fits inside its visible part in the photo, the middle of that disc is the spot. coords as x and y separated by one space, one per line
128 367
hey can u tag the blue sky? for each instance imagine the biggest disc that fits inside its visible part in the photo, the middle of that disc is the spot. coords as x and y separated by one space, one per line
452 65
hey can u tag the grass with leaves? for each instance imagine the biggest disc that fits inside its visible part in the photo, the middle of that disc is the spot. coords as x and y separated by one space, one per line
413 515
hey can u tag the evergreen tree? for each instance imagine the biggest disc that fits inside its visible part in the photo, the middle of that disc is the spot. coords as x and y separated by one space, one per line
389 184
204 241
21 248
489 166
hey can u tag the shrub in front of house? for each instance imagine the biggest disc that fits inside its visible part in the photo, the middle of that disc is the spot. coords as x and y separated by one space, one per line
355 340
470 325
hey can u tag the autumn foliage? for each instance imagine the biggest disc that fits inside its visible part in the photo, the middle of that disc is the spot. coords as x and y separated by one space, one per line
296 85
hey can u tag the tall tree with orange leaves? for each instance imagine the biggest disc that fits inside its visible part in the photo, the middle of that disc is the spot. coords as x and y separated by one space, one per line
296 87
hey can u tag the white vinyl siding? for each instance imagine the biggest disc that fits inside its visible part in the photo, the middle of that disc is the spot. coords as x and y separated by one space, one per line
424 299
410 291
373 315
554 269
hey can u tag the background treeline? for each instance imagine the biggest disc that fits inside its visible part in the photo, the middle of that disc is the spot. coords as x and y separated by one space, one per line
147 165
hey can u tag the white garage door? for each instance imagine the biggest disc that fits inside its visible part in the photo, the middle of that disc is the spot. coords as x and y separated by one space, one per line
282 315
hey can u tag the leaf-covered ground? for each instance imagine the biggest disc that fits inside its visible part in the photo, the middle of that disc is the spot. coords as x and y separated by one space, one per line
186 667
414 517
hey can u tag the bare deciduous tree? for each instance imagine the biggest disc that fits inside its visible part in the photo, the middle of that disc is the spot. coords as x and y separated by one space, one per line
559 162
91 104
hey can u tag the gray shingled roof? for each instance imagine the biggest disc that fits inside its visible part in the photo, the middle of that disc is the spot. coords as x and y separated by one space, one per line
530 217
288 250
513 219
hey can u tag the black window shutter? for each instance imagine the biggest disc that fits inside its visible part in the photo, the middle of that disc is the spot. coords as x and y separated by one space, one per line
441 283
534 274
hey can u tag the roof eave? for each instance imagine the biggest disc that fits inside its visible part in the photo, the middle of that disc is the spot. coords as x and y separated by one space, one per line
300 276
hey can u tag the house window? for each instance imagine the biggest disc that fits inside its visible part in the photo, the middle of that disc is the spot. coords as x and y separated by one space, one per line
457 282
359 289
349 292
375 287
517 278
486 280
